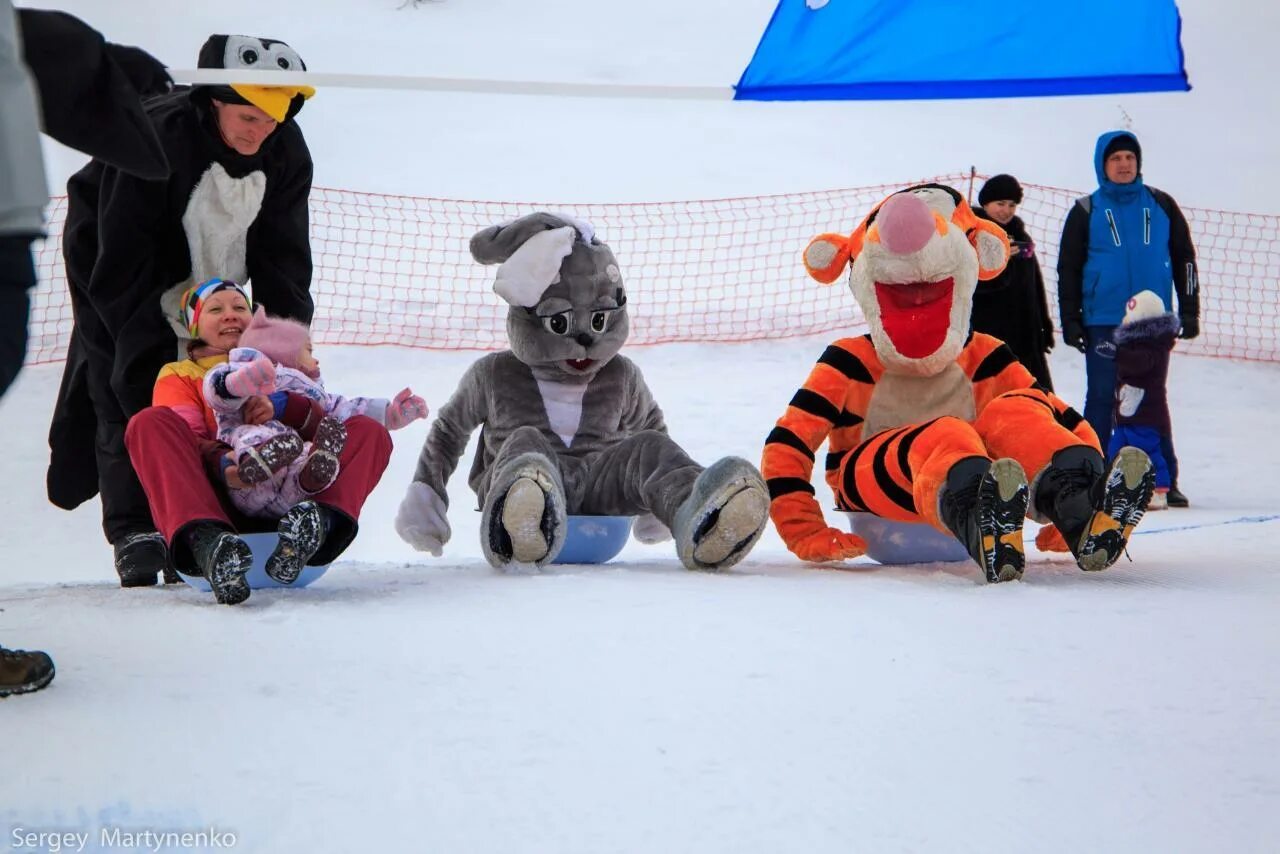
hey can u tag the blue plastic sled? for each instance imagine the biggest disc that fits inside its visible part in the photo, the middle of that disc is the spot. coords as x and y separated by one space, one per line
893 542
594 539
262 545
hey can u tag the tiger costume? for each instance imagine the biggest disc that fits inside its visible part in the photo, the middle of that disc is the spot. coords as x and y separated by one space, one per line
928 422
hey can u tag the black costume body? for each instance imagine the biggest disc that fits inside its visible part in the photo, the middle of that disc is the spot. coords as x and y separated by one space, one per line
132 247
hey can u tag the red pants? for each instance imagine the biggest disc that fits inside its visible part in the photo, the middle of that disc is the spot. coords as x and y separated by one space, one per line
167 456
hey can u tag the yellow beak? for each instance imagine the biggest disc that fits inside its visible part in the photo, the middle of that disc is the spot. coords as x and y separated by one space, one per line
272 100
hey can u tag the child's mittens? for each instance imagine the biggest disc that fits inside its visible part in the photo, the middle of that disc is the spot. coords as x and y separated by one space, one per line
1130 398
405 408
249 378
421 520
828 544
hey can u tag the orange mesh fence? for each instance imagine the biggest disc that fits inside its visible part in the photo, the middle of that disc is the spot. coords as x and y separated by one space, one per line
397 269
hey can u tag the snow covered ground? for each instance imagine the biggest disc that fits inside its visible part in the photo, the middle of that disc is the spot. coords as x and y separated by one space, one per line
428 704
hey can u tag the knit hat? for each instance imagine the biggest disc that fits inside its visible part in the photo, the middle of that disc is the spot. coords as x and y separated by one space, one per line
1123 142
1000 188
1142 306
194 297
249 53
279 339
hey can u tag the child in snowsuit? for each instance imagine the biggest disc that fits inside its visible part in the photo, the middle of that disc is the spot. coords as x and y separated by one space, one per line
1144 342
285 431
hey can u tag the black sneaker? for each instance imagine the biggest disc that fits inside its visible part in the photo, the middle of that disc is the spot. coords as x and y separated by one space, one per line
1096 513
301 531
140 558
1176 498
22 672
257 464
224 559
984 503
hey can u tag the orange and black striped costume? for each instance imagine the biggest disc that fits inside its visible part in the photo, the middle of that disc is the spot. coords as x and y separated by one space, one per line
994 408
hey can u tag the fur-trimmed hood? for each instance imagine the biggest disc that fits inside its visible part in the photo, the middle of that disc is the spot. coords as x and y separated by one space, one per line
1148 328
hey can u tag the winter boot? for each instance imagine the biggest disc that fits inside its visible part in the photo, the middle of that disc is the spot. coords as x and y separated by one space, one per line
1159 500
1176 498
1095 513
983 503
524 514
321 468
257 464
223 559
22 672
722 517
301 531
140 558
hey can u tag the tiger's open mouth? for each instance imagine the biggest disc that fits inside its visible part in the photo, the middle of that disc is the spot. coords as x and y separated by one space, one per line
916 316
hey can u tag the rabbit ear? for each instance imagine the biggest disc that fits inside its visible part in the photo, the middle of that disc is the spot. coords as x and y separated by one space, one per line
826 256
497 243
534 267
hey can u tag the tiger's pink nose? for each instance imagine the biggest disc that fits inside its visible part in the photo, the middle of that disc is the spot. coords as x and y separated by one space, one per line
905 223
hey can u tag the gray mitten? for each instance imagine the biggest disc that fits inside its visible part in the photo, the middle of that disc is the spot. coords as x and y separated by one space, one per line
421 520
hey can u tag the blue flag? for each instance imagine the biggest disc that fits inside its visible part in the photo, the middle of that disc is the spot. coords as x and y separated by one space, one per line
816 50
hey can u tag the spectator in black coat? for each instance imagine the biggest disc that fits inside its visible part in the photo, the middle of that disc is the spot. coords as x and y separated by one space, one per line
1013 306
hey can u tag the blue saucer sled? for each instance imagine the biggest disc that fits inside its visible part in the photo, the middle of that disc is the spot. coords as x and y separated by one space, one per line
261 545
891 542
594 539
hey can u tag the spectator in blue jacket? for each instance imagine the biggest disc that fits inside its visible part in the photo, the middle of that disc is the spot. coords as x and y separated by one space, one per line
1124 238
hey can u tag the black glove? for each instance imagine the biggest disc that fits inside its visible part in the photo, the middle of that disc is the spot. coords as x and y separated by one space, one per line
1190 326
145 72
1073 334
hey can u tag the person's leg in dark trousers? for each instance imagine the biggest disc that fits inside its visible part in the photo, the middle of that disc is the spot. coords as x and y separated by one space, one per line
20 671
1100 378
17 277
1176 497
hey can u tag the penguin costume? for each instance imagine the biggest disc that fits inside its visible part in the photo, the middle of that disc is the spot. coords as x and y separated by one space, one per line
132 246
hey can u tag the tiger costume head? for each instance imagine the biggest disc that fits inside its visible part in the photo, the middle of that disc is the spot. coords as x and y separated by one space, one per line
914 263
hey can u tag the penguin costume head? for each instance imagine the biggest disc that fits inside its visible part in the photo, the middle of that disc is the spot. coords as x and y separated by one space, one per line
250 53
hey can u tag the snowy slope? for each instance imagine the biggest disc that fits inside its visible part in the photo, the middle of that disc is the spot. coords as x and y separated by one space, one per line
420 704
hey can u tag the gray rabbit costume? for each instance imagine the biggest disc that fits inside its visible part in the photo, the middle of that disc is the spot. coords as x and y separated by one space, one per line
568 425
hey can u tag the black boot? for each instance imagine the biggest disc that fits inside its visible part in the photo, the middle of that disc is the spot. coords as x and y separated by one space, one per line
1176 498
22 672
302 529
1095 512
983 503
140 558
224 559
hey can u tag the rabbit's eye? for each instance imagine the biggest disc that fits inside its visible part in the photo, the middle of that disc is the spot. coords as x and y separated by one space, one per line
556 324
599 320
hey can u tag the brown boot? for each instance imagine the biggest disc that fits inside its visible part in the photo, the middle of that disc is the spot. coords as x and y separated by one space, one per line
22 672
